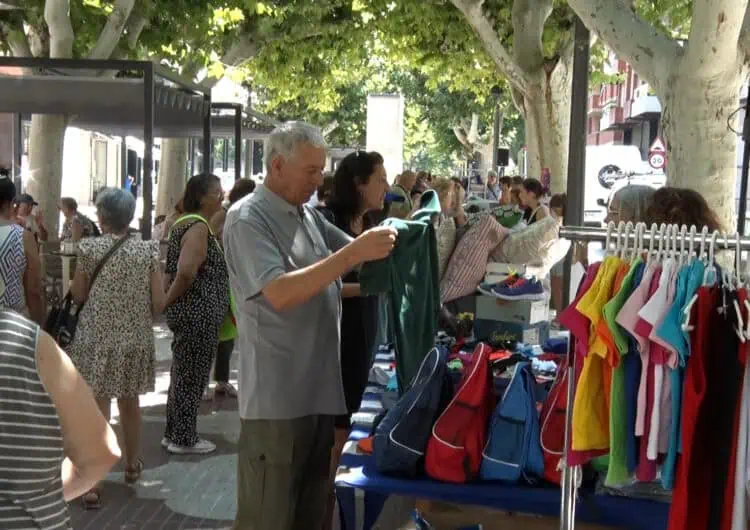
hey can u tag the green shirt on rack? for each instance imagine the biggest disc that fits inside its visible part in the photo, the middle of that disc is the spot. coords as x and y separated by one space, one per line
617 471
411 278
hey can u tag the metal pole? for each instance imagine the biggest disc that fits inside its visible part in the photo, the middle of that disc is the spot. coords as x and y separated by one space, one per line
577 146
148 146
574 216
742 210
237 142
17 162
207 156
496 135
123 161
191 144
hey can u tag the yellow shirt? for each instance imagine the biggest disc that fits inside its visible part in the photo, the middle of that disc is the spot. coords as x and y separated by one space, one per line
590 408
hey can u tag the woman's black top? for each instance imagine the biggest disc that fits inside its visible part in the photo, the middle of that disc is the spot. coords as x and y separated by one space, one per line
529 215
359 328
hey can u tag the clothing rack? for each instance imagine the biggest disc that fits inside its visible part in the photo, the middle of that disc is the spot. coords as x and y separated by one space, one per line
595 234
718 241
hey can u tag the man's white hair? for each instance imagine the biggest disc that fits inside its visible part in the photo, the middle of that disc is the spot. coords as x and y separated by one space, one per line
285 139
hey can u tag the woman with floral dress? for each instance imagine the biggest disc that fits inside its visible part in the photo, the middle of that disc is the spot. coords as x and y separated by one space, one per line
197 303
113 347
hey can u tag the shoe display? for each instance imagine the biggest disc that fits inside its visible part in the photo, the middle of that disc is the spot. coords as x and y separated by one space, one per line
523 289
488 289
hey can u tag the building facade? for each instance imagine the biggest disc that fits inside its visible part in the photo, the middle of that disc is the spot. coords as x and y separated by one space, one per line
625 112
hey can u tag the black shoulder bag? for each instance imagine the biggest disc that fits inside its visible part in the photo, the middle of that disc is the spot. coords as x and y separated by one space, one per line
62 319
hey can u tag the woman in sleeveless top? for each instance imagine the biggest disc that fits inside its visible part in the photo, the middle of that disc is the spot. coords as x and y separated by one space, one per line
20 264
114 345
241 188
197 303
56 444
531 195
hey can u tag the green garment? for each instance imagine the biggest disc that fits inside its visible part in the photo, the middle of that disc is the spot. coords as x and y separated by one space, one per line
411 278
617 473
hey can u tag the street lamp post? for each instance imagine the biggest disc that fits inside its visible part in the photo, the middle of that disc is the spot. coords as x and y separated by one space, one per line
496 92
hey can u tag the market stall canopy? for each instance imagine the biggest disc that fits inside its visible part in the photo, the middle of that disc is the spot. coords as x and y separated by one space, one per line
110 105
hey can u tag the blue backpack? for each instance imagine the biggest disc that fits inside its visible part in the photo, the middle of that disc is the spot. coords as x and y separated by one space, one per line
401 436
513 450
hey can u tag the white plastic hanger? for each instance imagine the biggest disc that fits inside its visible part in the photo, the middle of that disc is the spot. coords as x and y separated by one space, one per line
610 229
640 230
727 275
693 231
618 241
683 237
710 267
624 248
660 251
651 245
708 259
704 235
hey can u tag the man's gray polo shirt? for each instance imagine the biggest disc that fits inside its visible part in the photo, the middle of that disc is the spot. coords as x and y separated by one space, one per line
289 361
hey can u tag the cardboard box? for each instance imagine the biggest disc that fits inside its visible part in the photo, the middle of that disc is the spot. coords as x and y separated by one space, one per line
444 516
525 312
509 331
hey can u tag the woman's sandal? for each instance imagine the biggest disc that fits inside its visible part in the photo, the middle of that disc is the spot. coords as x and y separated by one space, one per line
92 499
133 473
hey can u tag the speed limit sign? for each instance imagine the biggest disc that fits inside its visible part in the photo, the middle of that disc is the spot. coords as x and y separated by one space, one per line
657 154
657 160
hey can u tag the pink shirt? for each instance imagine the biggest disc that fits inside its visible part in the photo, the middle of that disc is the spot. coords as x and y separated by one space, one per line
642 331
628 315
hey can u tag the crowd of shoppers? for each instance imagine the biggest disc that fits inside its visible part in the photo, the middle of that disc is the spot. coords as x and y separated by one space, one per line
306 334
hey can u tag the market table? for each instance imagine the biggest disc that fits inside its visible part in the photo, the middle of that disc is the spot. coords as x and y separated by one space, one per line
357 481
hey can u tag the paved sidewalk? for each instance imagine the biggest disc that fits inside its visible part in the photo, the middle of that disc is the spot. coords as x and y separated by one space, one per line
175 492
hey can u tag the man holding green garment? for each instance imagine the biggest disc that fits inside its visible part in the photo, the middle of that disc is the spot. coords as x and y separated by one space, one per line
285 266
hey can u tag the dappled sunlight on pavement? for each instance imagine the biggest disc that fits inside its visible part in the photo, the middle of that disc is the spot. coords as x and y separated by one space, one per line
185 492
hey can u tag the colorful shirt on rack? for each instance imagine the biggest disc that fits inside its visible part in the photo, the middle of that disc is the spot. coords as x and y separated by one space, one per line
591 405
632 367
617 472
735 507
690 502
670 331
661 416
740 501
646 470
579 327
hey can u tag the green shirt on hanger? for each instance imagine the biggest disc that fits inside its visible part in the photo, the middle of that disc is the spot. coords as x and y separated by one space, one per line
617 471
410 276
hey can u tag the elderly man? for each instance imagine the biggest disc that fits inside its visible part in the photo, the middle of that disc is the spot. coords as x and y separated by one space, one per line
285 263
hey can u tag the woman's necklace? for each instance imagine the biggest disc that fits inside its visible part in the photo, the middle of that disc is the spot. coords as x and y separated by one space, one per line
356 225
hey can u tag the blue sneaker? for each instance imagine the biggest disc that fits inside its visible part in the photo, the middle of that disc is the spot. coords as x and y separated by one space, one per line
522 289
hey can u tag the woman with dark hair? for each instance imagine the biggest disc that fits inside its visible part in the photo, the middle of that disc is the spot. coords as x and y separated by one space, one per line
242 188
20 264
197 302
531 195
681 206
359 187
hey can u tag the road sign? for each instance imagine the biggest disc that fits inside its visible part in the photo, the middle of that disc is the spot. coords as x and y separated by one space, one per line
657 160
657 154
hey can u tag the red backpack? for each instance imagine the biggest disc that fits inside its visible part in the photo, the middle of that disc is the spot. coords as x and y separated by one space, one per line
553 418
454 451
